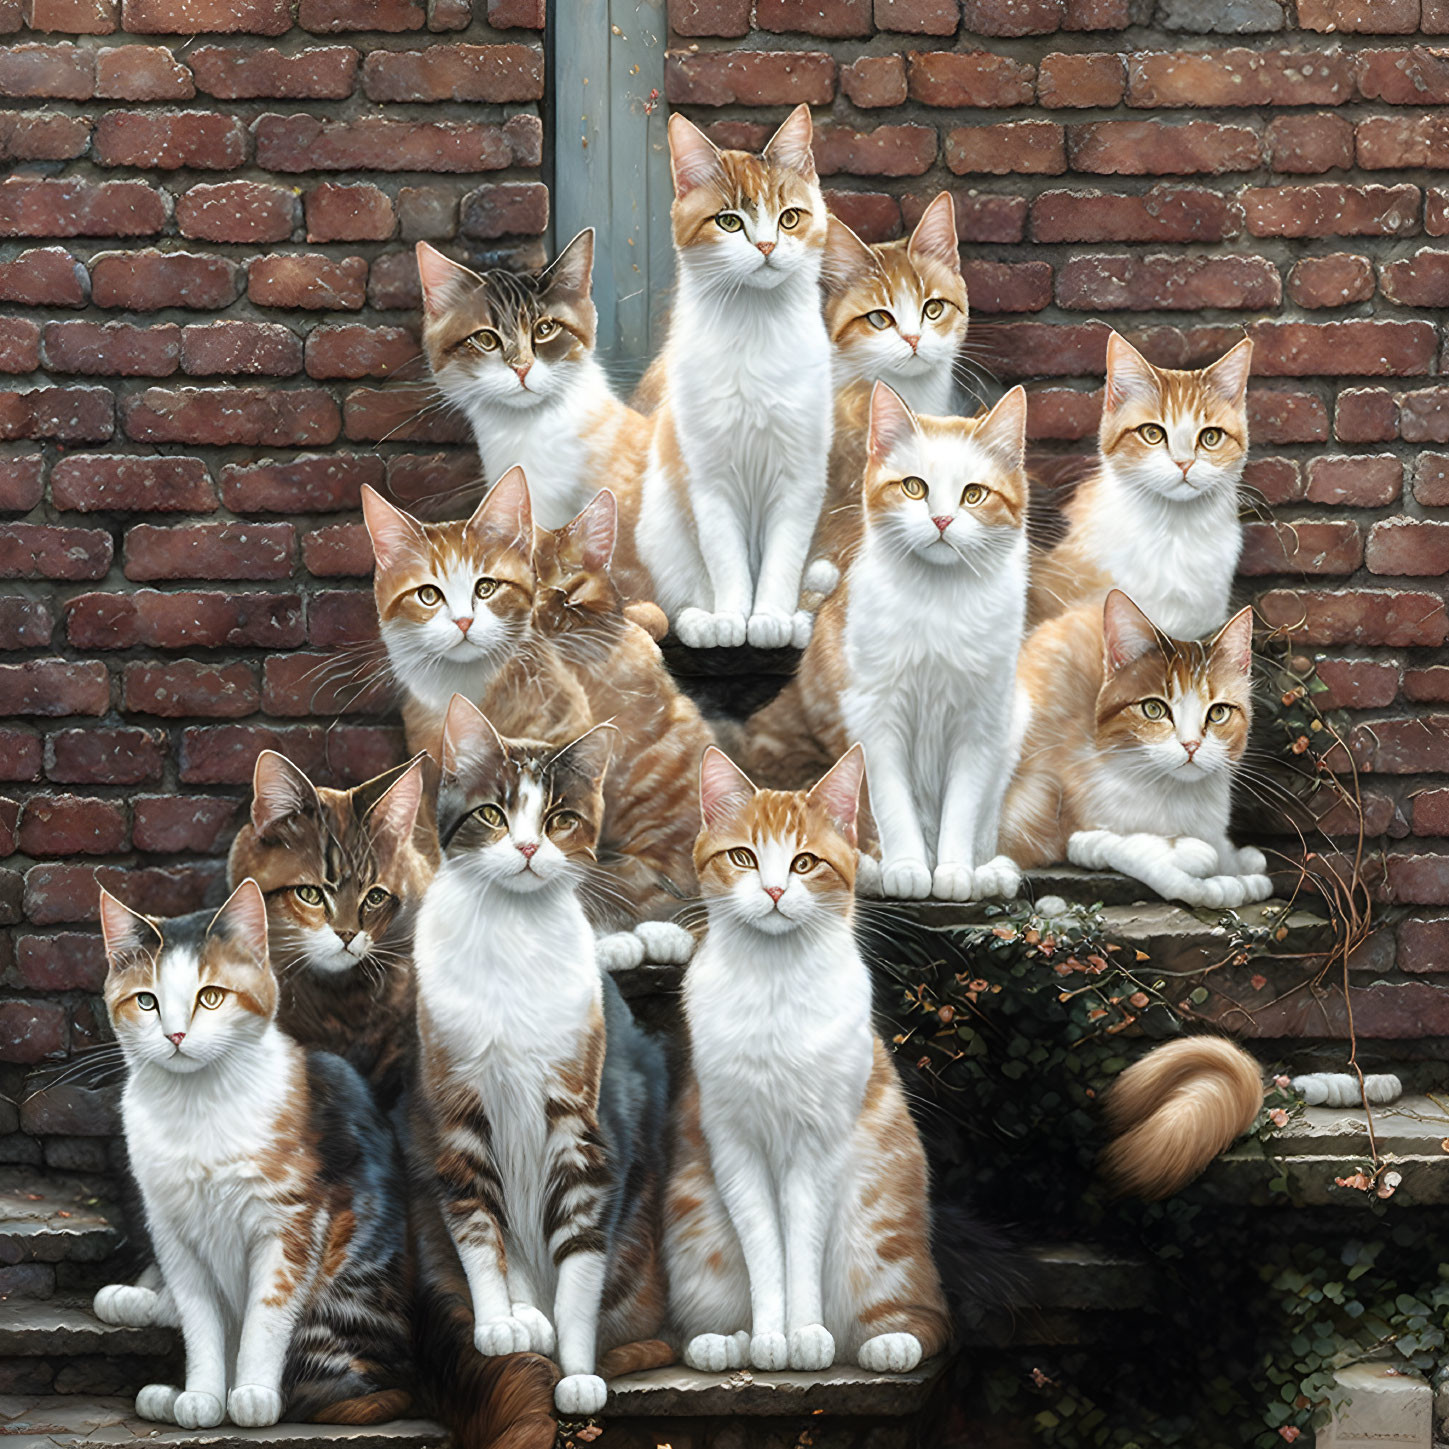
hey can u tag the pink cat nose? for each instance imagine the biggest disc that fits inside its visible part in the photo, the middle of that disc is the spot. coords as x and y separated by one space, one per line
521 368
175 1037
942 521
765 248
913 338
464 624
1192 747
774 893
526 849
346 937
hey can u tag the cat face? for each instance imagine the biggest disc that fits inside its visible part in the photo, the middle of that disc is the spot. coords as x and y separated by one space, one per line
776 860
508 339
519 814
1174 710
743 221
575 592
950 492
339 869
1180 435
185 993
896 311
453 596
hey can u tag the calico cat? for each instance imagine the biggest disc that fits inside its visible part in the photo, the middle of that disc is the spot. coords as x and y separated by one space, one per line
455 607
797 1218
272 1187
736 471
1160 516
915 653
1130 749
514 351
541 1107
342 872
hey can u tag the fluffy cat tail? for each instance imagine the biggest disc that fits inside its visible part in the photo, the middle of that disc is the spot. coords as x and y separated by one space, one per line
1173 1111
633 1358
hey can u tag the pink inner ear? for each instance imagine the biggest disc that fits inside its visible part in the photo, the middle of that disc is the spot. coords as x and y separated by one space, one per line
507 511
1235 640
397 811
1127 633
891 421
935 233
440 277
1129 374
837 792
597 529
723 787
693 157
279 791
122 929
244 918
396 536
469 738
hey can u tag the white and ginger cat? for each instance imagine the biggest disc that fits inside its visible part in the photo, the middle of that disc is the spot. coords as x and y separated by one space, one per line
736 473
797 1219
541 1108
915 653
1129 754
1159 518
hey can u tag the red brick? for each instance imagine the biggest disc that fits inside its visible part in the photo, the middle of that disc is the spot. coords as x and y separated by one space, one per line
427 212
1337 280
237 415
20 345
40 206
1424 415
231 73
57 893
392 284
382 143
21 482
729 18
507 208
1386 143
1359 347
112 349
65 961
834 19
1331 210
412 477
1360 481
142 73
295 685
1300 548
873 216
492 73
65 414
1420 880
169 140
53 687
1167 282
341 618
529 14
209 551
748 77
356 351
1366 415
1404 77
1356 683
1421 280
1393 617
1431 812
72 17
1012 17
1311 143
1431 480
1081 81
968 78
191 824
328 16
1423 944
1279 480
72 825
1097 15
1403 746
1430 684
185 687
885 151
25 623
1436 211
237 211
1410 547
877 80
326 483
39 551
348 213
218 17
1278 415
147 281
42 136
184 620
979 218
399 416
33 1031
20 755
340 754
915 17
1022 147
91 483
268 348
312 281
64 72
1375 17
1239 77
1150 148
996 287
1163 214
44 276
340 551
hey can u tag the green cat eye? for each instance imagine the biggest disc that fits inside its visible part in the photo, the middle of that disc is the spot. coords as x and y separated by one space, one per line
804 863
484 587
485 341
211 997
741 857
430 595
974 494
376 898
145 1001
544 329
880 319
309 895
1219 713
1153 709
913 487
933 309
790 218
729 221
1210 437
491 815
1152 433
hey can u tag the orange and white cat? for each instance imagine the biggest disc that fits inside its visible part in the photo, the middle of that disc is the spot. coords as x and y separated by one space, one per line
797 1220
1130 749
736 473
1159 518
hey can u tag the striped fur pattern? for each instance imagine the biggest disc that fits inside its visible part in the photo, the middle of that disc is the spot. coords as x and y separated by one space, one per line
541 1107
797 1219
272 1186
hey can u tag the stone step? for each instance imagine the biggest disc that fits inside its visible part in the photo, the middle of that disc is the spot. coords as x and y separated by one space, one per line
48 1219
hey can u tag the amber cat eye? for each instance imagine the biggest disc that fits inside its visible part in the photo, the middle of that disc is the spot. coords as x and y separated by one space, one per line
484 587
728 221
790 218
1210 437
741 857
933 309
491 815
1219 713
211 997
376 898
1152 433
485 341
562 820
545 329
309 895
1153 709
804 863
145 1001
880 319
973 495
913 487
430 595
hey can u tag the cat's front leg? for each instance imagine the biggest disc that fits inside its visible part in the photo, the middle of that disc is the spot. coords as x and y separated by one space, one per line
524 1296
904 874
805 1203
724 547
277 1288
141 1304
576 1312
777 620
471 1196
202 1403
967 866
1149 859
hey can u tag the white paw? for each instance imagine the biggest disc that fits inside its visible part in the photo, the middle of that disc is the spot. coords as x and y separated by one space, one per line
580 1394
253 1406
157 1402
768 629
812 1347
1249 860
193 1410
540 1330
867 875
1193 856
905 880
664 941
494 1336
700 629
1208 894
1256 887
618 951
821 577
127 1305
890 1353
769 1351
1089 848
802 626
717 1353
999 878
953 882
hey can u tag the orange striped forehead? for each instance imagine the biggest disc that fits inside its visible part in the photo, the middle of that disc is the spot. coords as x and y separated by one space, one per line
894 280
453 548
788 816
743 182
942 450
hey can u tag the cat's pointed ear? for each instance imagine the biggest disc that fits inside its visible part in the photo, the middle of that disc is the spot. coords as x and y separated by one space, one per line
242 920
396 812
571 273
507 511
837 792
1234 641
724 788
935 234
280 791
591 752
693 157
790 145
595 531
847 259
396 536
1228 376
1127 633
891 421
1129 374
445 282
126 933
1003 430
471 745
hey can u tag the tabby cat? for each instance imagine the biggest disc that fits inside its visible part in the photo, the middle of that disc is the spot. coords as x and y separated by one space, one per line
797 1214
1160 516
1130 750
915 653
541 1107
736 471
272 1187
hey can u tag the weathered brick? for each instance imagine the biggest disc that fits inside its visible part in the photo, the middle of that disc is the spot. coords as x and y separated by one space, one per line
64 961
339 551
237 211
1375 17
915 17
1421 280
383 143
872 215
1431 812
356 351
1431 480
833 19
1337 280
40 551
209 551
427 213
169 140
506 208
729 18
1310 143
311 281
33 1031
341 618
91 483
25 623
1366 415
1386 143
1221 17
267 348
1423 944
61 72
189 620
1300 548
979 217
72 825
1402 746
56 893
1331 210
748 77
238 415
1012 17
1279 480
296 685
42 136
147 281
886 151
20 345
1150 148
183 687
876 80
1167 281
142 73
1280 415
326 483
20 755
1411 547
1358 481
1081 81
112 349
968 78
1358 347
44 276
41 206
65 414
1424 415
1404 77
54 687
341 754
1163 214
1018 147
1395 617
328 16
193 17
1356 683
996 287
230 73
72 17
529 14
22 482
400 416
493 73
1239 77
348 213
1431 684
191 824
